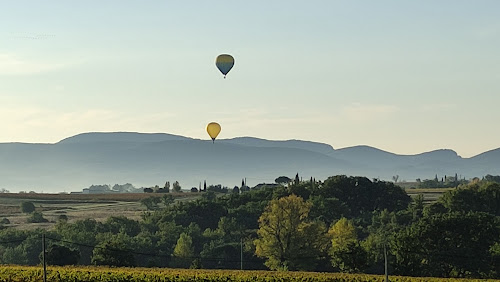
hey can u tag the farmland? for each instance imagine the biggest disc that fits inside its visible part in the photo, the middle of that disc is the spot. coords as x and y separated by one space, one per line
16 273
430 194
101 206
76 206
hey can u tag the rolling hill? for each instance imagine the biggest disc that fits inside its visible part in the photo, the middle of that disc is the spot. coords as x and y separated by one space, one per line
146 160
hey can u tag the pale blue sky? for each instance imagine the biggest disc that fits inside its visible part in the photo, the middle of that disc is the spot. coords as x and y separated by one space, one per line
402 76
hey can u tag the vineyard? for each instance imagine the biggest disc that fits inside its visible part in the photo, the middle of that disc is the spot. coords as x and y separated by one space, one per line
28 274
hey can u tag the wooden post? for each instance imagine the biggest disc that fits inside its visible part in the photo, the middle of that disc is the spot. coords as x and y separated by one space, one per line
241 253
44 259
385 265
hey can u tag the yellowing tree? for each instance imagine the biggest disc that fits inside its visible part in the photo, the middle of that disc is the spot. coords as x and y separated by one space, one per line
346 252
342 232
287 238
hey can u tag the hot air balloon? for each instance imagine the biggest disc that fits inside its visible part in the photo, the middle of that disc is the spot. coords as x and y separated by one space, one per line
213 130
224 63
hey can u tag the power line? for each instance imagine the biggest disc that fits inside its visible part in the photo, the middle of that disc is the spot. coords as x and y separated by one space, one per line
440 254
147 254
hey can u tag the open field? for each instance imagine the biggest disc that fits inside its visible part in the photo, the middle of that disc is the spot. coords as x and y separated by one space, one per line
76 206
430 194
123 197
72 273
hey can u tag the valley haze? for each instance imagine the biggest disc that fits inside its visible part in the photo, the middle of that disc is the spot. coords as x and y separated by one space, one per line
149 159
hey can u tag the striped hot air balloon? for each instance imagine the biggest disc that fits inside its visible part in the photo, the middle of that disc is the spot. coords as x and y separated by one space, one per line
224 63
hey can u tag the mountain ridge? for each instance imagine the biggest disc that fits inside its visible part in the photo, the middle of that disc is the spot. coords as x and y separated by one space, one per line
148 159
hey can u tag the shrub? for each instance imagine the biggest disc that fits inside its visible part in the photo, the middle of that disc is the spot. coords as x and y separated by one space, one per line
27 207
36 217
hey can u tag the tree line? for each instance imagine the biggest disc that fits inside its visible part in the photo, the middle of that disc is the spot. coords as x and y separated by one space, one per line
340 224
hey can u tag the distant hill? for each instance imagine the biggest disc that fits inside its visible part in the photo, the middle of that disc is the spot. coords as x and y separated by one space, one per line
294 144
148 159
98 137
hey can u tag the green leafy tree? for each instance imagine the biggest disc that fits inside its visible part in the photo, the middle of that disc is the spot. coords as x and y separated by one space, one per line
151 203
362 196
480 197
27 207
113 252
176 186
209 196
283 180
167 200
62 255
287 238
82 232
15 255
121 224
36 217
184 251
447 245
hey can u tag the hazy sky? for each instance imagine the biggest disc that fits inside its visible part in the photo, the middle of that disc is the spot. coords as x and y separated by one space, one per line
402 76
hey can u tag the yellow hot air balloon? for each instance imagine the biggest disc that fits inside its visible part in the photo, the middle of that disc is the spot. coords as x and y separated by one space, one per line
224 63
213 130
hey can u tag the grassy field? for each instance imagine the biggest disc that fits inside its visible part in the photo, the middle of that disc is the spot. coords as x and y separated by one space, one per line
72 273
76 206
430 194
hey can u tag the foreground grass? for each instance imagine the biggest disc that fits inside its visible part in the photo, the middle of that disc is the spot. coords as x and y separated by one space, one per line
30 273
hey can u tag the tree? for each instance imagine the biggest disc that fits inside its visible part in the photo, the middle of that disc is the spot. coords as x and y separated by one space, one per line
287 238
27 207
346 251
296 181
14 255
121 224
236 190
483 197
283 180
113 252
151 203
447 245
36 217
361 195
167 200
62 255
209 196
82 232
176 186
184 251
395 178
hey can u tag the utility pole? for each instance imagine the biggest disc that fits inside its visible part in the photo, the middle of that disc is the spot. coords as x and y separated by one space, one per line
385 264
241 253
44 259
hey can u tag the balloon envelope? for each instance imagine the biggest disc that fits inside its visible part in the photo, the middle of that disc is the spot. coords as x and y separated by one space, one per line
224 63
213 130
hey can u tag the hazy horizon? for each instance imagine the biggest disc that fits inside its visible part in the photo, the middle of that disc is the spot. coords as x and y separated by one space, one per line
404 77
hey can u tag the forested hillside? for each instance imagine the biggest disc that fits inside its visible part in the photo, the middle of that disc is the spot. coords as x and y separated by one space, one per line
339 224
